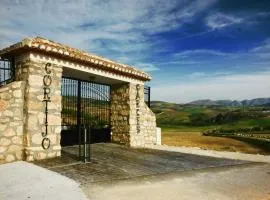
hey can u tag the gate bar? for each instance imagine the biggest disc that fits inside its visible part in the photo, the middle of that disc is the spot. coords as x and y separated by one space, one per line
79 115
86 143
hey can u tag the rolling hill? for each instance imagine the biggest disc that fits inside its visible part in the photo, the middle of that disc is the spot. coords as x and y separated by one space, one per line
252 102
209 114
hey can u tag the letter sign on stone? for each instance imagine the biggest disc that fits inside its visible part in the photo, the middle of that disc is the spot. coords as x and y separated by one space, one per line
47 81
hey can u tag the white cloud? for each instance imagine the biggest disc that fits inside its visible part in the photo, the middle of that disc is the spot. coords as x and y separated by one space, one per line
263 48
147 67
119 27
259 56
209 74
221 20
197 75
239 87
114 28
178 62
203 75
188 53
221 73
262 52
263 14
121 30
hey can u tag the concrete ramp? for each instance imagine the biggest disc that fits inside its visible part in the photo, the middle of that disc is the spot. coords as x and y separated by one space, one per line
24 181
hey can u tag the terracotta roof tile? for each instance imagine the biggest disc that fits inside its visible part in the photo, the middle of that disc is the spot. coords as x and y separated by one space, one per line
51 47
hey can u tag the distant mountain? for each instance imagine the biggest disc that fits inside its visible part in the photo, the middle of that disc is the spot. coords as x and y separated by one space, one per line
252 102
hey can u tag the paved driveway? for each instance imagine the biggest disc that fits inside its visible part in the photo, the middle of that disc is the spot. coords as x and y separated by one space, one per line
25 181
111 162
248 182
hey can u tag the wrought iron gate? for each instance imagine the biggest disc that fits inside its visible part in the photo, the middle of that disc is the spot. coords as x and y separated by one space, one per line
6 71
85 114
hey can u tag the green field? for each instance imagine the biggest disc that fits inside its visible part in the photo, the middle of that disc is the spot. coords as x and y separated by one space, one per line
202 118
242 129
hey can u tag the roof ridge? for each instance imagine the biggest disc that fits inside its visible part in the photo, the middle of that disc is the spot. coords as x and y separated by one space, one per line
48 46
85 52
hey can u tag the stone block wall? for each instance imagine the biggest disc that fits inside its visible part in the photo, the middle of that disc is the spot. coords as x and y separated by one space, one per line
132 122
149 126
22 112
33 72
120 109
142 119
11 121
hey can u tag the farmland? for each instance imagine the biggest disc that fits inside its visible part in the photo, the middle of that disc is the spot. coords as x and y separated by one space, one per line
230 128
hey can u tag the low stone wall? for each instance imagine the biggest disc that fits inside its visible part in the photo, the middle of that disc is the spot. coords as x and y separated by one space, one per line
148 126
11 121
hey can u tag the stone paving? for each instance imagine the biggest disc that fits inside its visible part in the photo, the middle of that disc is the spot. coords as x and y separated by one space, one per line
112 162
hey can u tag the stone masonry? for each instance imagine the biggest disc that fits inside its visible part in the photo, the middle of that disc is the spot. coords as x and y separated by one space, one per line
143 129
11 121
120 108
39 65
22 113
33 72
132 122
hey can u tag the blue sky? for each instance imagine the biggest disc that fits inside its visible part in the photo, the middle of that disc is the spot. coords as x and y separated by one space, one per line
193 49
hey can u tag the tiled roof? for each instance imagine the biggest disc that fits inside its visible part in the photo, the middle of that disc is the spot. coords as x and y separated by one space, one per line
57 49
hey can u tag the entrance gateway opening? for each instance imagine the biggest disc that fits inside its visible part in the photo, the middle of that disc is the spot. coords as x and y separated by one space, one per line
53 96
85 116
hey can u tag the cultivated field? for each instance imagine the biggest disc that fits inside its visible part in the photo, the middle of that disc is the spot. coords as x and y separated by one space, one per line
174 137
237 129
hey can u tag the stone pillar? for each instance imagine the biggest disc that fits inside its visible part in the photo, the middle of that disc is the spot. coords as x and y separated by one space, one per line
142 119
120 107
132 122
33 72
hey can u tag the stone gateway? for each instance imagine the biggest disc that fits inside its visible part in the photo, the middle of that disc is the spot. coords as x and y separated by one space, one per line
31 101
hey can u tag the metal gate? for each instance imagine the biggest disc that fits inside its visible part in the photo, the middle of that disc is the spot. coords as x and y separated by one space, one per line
85 114
6 71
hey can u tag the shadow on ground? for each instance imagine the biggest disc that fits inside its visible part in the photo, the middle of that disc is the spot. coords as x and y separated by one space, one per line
111 162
